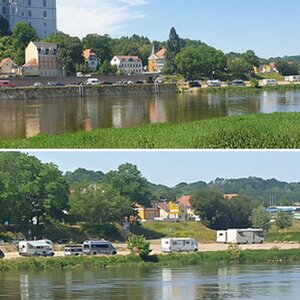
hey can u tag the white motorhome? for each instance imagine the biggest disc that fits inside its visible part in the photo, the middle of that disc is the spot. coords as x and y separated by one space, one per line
98 247
292 78
269 82
36 248
216 82
241 236
92 81
178 245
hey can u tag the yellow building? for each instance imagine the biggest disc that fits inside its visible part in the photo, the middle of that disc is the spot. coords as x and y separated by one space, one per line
146 213
8 66
157 61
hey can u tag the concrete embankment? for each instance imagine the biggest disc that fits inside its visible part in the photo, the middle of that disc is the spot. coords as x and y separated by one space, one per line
24 93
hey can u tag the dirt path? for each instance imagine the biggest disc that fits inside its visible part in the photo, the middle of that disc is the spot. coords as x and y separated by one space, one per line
155 246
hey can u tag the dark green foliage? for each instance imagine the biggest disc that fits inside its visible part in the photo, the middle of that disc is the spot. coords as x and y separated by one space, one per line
139 245
4 26
107 69
174 45
82 177
285 68
260 218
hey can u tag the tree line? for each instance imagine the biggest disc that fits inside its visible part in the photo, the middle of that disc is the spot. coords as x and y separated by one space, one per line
192 59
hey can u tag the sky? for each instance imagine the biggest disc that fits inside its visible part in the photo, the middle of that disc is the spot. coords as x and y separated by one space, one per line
269 27
172 167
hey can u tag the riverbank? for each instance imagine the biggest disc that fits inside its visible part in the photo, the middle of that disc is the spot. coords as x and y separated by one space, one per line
233 256
47 92
254 131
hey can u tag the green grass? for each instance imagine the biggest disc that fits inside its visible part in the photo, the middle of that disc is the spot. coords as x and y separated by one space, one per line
278 130
156 230
219 257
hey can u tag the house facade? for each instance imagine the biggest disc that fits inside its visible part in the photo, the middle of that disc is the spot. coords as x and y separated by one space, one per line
186 209
42 59
128 64
8 67
40 14
147 213
157 61
91 59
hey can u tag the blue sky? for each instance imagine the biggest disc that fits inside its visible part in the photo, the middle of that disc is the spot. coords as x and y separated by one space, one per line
173 167
269 27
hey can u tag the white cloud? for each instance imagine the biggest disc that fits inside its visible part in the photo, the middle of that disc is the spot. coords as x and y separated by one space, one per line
97 16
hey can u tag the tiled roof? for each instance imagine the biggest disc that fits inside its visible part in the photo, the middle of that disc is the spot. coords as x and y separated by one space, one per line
129 58
185 201
230 196
31 63
161 53
165 206
87 53
5 60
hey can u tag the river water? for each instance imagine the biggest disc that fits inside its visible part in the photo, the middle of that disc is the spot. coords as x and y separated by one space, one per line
136 283
26 118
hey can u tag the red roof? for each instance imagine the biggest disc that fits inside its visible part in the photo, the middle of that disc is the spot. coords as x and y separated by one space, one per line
129 58
185 201
31 63
165 206
87 53
5 60
161 53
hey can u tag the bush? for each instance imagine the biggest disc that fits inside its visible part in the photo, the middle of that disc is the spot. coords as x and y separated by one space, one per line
139 245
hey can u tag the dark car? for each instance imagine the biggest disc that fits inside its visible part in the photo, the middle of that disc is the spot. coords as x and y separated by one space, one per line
1 254
50 83
238 82
194 83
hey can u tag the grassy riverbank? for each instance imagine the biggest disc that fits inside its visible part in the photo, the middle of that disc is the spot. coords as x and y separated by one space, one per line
170 260
278 130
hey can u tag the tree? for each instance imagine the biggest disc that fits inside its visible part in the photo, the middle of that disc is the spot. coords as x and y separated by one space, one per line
260 218
100 204
285 68
174 46
30 190
284 220
139 245
107 69
202 61
128 180
239 67
251 58
212 209
4 26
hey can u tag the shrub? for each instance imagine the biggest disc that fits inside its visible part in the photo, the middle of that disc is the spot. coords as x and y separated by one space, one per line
139 245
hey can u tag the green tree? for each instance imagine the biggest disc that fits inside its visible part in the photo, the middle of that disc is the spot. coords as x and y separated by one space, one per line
128 180
4 26
30 189
284 220
260 218
99 204
139 245
202 61
174 46
83 178
211 207
285 68
251 58
107 69
239 67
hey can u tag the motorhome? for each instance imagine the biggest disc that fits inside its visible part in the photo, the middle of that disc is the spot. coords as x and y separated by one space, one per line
98 247
73 250
178 245
292 78
216 82
267 82
92 81
241 236
36 248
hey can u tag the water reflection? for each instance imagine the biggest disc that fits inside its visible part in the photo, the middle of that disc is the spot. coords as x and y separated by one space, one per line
135 283
19 119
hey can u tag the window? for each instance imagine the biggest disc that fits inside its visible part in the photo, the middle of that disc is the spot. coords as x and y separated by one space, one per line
45 14
45 3
29 13
4 10
29 2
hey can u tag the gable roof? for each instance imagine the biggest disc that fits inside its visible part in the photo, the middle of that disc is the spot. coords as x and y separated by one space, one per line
163 205
6 60
31 63
87 53
161 53
185 201
128 58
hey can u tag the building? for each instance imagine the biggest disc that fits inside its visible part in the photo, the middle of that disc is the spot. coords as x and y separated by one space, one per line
147 213
8 67
42 60
157 61
128 64
40 14
91 59
186 209
230 196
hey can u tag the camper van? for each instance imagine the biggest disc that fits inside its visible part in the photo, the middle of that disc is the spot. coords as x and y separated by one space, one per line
98 247
73 250
92 81
216 82
240 236
268 82
36 248
169 245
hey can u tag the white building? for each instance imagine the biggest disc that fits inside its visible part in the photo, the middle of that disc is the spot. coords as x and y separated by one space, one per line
91 59
40 14
128 64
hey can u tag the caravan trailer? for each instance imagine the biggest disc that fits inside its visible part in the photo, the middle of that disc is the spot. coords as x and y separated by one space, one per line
241 236
179 245
36 248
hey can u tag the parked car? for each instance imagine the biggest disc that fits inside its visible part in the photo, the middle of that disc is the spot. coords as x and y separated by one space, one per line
194 83
92 81
2 255
6 83
216 83
37 84
238 82
52 83
73 250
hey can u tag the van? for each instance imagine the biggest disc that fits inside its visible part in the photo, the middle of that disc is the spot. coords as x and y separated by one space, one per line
73 250
169 245
92 81
270 82
36 248
98 247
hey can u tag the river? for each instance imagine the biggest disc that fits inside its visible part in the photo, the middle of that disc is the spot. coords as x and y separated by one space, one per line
136 283
27 118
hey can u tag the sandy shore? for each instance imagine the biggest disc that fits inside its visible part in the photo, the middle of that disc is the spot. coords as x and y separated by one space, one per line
156 249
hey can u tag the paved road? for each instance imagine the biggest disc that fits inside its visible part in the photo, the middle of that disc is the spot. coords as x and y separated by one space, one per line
155 246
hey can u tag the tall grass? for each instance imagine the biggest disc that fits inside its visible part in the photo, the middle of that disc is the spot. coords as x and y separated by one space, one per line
278 130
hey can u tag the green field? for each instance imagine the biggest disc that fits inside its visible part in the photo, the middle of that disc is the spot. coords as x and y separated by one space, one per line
254 131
